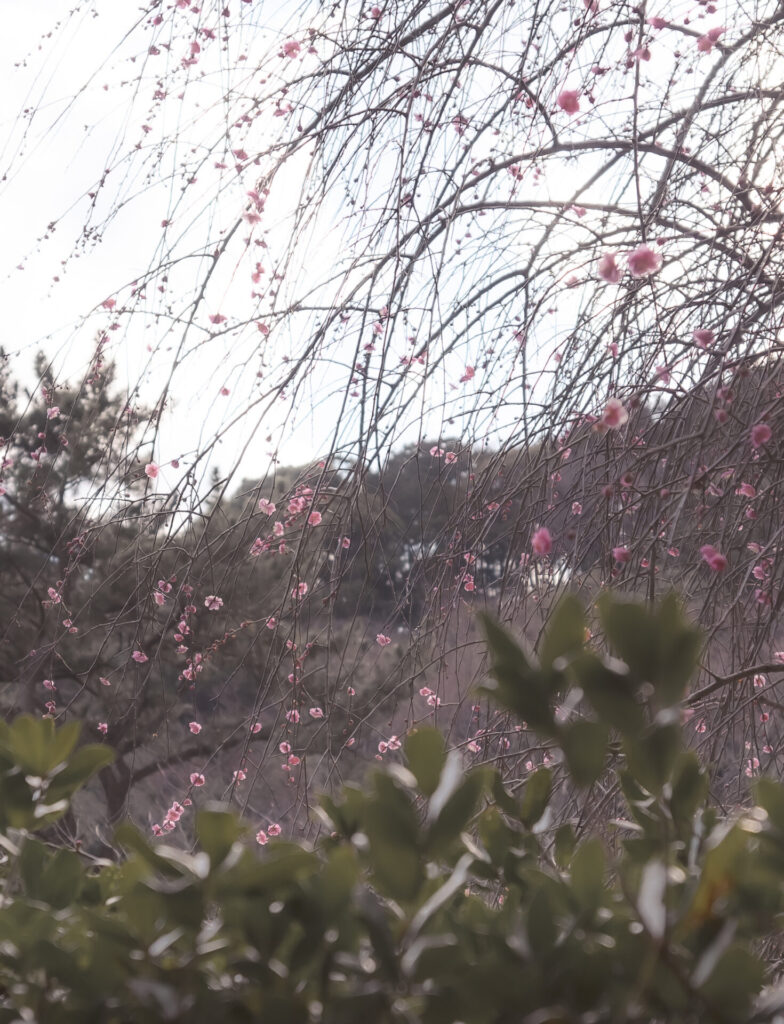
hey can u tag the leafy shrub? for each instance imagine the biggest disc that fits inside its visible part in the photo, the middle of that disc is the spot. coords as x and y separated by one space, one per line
434 895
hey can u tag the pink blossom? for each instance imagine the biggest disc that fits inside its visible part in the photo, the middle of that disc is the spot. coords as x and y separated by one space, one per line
217 318
468 375
291 48
621 554
760 434
542 541
255 728
314 519
152 470
608 269
266 507
140 657
703 337
614 415
284 747
569 101
103 728
705 43
261 837
714 558
194 727
345 543
53 412
197 779
213 603
382 641
657 22
274 829
450 458
299 591
643 261
316 712
292 716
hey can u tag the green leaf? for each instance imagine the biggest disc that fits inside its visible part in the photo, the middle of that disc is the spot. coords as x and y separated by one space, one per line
564 636
426 754
587 874
651 757
456 812
496 836
611 693
631 633
564 845
736 980
53 879
659 646
217 831
519 686
338 878
585 747
536 796
689 791
680 645
80 767
770 796
392 826
30 741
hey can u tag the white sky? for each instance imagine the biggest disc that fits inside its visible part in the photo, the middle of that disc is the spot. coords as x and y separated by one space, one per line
55 159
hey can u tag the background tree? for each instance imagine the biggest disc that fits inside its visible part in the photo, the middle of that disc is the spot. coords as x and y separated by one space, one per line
513 269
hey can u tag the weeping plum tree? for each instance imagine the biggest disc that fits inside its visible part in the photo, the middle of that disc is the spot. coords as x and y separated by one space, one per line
501 277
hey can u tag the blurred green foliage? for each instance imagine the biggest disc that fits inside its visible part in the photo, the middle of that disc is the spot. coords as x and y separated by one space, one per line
434 895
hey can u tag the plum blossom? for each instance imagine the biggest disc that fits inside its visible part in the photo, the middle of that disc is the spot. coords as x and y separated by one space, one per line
274 829
716 561
140 657
314 519
197 779
621 554
316 712
261 837
569 101
382 640
643 261
195 728
703 337
760 435
152 470
542 541
53 413
291 48
614 415
266 507
705 43
608 269
213 603
299 591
